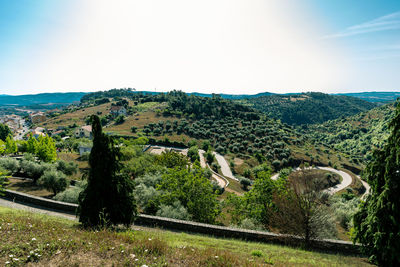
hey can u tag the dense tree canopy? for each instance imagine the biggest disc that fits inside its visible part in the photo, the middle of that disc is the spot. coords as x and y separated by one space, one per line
4 131
377 224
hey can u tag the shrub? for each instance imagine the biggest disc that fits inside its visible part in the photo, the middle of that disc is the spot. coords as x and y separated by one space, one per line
54 181
10 164
245 182
68 168
174 211
71 194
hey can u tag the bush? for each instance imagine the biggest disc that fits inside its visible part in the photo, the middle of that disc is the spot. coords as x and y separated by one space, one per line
68 168
34 170
344 210
216 188
174 211
71 194
245 182
54 181
10 164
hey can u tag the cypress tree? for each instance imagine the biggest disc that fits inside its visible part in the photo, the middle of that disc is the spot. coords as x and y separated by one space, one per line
108 198
377 224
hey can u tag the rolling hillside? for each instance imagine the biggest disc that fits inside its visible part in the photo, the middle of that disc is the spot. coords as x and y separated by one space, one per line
308 108
233 129
40 99
356 135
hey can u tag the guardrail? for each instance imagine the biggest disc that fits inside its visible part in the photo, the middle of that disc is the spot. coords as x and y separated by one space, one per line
194 227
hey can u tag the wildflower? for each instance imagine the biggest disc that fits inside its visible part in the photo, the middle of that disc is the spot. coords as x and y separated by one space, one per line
122 251
216 257
11 255
33 239
7 262
149 239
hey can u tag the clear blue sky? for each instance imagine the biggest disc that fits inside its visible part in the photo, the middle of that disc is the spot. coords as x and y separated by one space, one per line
221 46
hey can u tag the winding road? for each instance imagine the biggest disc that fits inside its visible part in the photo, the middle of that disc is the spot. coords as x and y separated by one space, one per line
346 181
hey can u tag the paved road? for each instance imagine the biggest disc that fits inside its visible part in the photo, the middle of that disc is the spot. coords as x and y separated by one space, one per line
346 180
36 209
225 169
221 181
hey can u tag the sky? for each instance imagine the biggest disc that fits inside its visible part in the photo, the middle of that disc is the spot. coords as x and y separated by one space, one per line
208 46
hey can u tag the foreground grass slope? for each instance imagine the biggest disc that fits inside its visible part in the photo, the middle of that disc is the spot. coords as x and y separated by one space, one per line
31 239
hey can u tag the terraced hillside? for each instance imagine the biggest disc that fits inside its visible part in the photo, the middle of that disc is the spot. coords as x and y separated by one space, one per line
233 129
356 135
309 108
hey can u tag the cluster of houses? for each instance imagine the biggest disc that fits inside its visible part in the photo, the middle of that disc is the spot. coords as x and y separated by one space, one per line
14 122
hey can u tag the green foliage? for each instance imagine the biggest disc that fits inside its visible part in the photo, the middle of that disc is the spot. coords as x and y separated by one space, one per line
71 194
2 181
193 153
174 211
4 131
193 190
377 224
257 203
43 147
54 181
356 136
209 156
33 169
108 198
172 159
120 119
245 183
2 147
11 145
344 210
10 164
68 168
306 108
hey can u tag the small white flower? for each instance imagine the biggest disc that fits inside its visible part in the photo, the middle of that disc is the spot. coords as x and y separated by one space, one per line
47 244
122 251
146 250
112 248
31 252
39 255
136 259
7 262
33 239
144 265
149 239
132 256
11 255
216 257
15 259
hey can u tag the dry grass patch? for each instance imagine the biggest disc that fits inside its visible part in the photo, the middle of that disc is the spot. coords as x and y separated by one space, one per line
39 240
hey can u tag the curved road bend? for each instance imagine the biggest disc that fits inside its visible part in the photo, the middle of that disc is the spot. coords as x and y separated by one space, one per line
346 181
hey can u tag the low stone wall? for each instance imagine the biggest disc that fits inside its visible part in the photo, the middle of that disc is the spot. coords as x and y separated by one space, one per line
194 227
40 201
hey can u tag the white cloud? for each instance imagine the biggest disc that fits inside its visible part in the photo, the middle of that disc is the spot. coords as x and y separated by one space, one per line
384 23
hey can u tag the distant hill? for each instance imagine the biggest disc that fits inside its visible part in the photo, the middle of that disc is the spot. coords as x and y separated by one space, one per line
377 97
308 108
356 135
40 99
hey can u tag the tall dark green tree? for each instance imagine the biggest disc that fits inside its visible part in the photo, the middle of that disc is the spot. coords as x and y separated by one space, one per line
108 198
377 224
4 131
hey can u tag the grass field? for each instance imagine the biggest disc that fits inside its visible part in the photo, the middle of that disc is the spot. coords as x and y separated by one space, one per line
28 239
